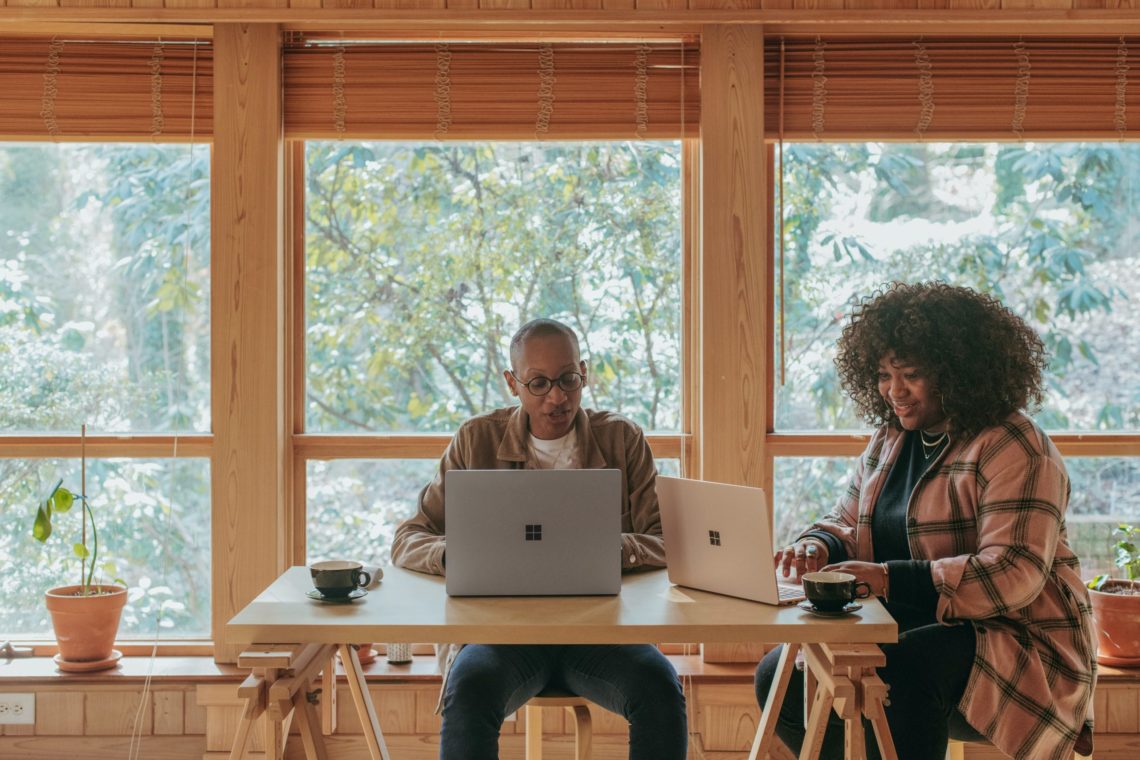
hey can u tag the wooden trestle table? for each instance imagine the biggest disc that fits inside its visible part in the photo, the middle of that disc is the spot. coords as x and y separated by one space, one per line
293 638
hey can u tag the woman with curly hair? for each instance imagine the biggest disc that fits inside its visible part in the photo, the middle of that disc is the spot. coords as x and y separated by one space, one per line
955 518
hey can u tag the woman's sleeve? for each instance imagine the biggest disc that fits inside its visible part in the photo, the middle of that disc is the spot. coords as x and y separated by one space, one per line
1021 500
840 523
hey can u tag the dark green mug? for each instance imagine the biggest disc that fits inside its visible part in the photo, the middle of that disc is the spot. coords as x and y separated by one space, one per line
831 591
337 578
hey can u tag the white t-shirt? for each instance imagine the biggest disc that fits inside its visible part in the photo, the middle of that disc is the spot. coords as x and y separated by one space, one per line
557 454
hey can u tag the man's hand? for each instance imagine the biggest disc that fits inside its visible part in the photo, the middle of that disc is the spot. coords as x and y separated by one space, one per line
808 555
873 574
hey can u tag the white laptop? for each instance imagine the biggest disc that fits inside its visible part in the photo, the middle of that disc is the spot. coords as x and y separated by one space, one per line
718 538
532 532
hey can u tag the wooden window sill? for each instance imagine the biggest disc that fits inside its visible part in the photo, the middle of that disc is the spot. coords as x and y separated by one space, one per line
41 670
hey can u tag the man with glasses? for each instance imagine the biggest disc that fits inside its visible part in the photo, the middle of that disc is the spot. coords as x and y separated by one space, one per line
549 430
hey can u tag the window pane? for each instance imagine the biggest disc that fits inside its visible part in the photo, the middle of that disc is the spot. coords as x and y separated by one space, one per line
1048 228
104 288
421 261
354 505
1105 493
805 489
158 545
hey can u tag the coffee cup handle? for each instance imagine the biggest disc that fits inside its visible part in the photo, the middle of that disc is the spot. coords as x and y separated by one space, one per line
866 590
367 578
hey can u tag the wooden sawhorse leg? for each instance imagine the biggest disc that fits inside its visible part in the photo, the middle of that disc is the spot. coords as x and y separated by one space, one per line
765 732
848 671
279 688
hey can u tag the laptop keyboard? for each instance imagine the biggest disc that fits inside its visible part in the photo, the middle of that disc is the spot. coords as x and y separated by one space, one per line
790 591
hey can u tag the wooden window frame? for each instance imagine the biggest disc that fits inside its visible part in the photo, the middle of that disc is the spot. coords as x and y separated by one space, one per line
849 444
308 447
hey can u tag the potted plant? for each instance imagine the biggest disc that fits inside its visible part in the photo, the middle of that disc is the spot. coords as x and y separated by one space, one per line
1116 604
86 615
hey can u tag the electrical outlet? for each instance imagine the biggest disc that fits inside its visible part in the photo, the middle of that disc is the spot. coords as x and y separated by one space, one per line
17 708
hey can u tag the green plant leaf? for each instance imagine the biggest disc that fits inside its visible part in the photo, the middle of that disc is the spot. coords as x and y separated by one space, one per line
80 551
1097 582
41 529
61 499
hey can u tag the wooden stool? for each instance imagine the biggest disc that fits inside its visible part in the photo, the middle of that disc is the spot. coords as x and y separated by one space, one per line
577 706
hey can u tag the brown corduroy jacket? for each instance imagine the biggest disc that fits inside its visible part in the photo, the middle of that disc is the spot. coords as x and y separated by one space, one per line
990 516
498 441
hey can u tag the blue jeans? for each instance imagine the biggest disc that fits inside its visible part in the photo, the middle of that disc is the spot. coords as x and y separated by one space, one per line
489 682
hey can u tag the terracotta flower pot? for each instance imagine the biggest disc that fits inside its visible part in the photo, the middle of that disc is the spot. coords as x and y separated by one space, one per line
1117 618
86 626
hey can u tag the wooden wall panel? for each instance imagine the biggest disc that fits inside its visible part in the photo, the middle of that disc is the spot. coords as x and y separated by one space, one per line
1040 5
547 5
169 713
427 720
726 715
1121 711
249 466
59 713
724 4
734 230
115 713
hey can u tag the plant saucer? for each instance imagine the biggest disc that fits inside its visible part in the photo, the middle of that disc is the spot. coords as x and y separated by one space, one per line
850 607
353 595
86 666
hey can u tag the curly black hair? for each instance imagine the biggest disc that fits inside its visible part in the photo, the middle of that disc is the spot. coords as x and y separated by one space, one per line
983 360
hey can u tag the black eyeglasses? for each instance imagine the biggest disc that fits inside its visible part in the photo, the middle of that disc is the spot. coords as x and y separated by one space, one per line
540 386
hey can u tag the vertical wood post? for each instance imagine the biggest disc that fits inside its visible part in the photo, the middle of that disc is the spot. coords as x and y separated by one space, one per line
734 213
249 464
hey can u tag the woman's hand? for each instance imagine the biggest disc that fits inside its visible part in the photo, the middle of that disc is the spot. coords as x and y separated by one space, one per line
871 573
808 554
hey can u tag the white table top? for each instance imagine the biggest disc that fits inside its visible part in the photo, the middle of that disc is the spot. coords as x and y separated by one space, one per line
409 607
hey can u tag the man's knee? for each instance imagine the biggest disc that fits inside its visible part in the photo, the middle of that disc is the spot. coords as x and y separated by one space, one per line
473 685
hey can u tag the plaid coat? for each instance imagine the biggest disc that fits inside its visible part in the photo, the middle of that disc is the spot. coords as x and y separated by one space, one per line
990 516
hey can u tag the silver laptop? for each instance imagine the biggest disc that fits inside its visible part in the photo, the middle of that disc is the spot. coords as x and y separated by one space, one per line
533 532
718 538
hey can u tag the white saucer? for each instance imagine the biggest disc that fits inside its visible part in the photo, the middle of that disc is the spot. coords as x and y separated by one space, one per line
850 607
353 595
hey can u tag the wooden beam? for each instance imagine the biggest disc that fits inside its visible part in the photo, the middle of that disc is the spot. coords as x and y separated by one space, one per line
429 23
247 321
734 417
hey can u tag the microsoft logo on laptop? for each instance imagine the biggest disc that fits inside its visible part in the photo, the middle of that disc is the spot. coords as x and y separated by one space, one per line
534 532
714 537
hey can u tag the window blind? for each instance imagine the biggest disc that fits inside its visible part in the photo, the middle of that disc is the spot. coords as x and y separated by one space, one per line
464 91
61 89
846 88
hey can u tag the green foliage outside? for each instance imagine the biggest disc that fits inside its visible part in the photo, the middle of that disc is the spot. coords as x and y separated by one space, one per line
104 308
1048 228
421 261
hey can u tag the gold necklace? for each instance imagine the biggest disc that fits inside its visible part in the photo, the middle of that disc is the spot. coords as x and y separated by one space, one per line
930 447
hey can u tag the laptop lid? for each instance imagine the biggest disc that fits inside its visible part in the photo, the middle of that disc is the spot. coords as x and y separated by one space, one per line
532 532
718 538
